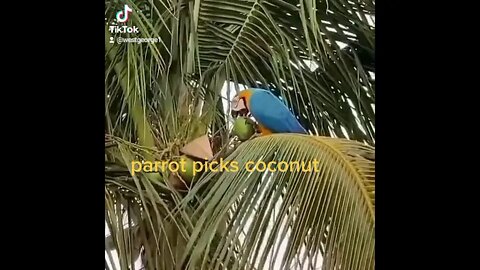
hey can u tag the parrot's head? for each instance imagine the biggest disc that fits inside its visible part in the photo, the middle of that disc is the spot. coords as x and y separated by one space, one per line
240 103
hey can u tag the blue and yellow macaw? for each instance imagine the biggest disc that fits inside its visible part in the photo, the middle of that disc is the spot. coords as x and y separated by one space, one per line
271 114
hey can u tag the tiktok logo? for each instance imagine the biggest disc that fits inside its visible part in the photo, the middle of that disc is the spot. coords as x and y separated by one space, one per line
123 15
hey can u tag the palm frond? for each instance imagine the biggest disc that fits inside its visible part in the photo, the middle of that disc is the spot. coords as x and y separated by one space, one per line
323 217
142 216
292 47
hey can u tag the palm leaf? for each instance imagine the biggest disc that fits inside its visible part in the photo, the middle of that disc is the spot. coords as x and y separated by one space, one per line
266 43
327 214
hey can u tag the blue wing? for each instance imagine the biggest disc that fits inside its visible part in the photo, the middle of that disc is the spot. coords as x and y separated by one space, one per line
272 113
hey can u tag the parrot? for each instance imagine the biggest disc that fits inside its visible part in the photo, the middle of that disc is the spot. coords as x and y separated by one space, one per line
271 114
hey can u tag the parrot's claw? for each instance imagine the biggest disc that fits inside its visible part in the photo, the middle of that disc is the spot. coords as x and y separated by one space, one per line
255 135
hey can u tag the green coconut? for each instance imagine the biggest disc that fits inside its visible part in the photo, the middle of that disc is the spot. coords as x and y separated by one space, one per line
188 163
243 128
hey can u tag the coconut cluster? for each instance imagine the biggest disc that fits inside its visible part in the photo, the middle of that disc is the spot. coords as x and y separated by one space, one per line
243 129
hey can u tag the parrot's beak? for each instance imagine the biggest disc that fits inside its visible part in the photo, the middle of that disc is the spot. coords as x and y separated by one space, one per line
238 107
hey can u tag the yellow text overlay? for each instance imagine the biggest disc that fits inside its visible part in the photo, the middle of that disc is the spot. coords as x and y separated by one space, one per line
225 166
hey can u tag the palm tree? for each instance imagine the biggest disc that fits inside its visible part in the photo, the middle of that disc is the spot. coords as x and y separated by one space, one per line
160 97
